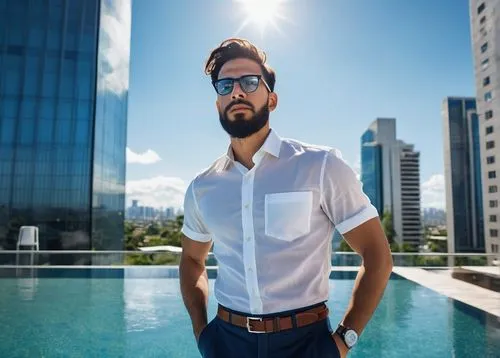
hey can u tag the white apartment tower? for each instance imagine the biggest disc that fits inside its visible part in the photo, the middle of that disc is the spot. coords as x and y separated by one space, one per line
390 172
485 31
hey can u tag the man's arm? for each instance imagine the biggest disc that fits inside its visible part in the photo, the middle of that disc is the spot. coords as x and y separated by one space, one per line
354 216
194 281
370 242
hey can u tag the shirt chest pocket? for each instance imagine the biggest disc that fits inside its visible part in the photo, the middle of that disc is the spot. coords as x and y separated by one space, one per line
288 215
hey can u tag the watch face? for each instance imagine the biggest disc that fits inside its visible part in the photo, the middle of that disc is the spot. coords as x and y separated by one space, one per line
351 337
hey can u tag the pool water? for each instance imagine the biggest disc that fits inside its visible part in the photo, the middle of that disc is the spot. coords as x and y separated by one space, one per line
121 313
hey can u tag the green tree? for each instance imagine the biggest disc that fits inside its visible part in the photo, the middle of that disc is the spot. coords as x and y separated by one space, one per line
388 226
344 246
153 229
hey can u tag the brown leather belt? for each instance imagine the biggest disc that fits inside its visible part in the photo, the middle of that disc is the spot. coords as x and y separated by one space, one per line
274 324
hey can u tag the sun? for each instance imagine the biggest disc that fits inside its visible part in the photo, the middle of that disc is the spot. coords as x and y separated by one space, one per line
262 13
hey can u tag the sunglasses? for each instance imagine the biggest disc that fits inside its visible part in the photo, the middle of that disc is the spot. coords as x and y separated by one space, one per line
248 83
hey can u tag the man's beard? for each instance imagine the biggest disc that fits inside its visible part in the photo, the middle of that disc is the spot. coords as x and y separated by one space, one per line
240 127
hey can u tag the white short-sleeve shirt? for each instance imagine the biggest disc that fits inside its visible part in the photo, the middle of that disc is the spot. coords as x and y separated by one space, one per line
272 226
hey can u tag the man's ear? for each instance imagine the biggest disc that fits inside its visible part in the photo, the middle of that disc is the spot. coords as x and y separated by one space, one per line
217 105
272 101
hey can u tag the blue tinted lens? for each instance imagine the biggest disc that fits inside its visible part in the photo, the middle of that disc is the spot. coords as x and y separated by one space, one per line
249 83
224 87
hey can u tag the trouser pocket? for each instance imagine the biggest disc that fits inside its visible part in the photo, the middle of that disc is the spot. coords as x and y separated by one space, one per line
207 339
333 349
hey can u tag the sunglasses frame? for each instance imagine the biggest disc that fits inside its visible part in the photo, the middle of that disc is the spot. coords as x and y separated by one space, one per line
259 79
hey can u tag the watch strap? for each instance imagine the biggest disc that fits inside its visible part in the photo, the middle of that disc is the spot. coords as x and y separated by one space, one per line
341 331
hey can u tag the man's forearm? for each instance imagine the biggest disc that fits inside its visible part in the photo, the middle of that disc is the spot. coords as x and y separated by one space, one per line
367 292
194 290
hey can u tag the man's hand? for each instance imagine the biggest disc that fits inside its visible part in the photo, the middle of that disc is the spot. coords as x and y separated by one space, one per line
340 345
194 281
197 332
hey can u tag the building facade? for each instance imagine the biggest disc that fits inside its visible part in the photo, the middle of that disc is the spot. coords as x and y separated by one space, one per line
463 186
64 69
485 32
390 172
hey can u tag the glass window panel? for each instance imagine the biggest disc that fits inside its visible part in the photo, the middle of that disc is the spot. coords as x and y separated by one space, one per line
49 86
11 63
64 110
8 108
51 64
88 42
7 130
70 37
35 37
27 131
83 110
67 87
47 108
82 132
12 83
44 132
63 128
54 39
15 33
33 64
28 108
83 84
42 168
30 86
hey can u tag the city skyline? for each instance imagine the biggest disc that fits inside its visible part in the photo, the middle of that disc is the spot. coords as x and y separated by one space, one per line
387 59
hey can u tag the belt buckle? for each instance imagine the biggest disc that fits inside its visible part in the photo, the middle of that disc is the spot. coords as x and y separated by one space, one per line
248 324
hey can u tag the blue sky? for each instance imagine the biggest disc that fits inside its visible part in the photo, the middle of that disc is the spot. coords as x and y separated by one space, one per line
339 65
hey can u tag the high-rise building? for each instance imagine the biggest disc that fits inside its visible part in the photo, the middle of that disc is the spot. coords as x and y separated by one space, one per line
485 30
64 70
462 173
390 172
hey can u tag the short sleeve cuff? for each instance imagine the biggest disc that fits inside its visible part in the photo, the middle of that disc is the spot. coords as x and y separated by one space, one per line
366 214
195 235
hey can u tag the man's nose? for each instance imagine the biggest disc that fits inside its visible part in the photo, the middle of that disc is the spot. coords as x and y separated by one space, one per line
237 91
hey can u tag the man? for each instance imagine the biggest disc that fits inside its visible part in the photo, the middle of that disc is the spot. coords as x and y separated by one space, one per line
269 207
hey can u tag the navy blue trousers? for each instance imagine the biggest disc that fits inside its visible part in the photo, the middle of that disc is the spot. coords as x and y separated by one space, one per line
220 339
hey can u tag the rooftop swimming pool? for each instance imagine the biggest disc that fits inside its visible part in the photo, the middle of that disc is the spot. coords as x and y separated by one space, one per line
138 312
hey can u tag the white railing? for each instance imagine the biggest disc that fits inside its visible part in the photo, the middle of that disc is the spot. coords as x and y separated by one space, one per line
130 258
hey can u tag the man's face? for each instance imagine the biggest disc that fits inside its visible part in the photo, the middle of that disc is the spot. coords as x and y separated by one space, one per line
243 113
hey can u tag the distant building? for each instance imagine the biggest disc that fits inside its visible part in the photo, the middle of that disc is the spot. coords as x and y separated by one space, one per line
433 217
462 173
170 213
390 172
63 121
485 31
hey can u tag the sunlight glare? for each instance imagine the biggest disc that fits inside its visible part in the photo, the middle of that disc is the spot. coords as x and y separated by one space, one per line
261 13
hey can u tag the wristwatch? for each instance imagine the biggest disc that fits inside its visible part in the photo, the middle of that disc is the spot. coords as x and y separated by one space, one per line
348 335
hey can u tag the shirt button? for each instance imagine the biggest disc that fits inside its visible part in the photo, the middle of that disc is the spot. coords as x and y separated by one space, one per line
248 238
246 206
250 269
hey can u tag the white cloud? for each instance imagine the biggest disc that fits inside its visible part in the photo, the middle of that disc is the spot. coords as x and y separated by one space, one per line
157 192
148 157
114 47
357 167
433 193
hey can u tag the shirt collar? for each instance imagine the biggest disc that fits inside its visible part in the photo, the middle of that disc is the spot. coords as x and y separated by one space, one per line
272 145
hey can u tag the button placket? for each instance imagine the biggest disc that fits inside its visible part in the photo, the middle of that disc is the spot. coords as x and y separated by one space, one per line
249 242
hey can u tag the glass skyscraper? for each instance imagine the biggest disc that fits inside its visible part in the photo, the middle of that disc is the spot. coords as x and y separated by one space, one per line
462 159
64 70
371 170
